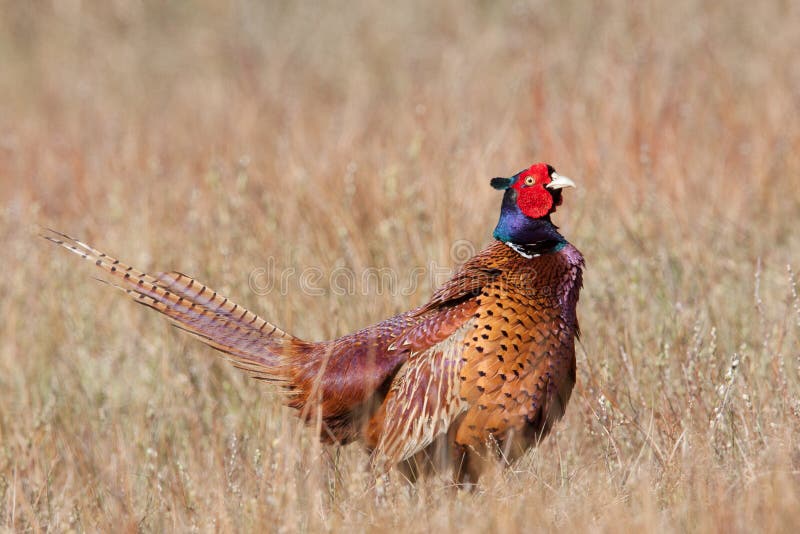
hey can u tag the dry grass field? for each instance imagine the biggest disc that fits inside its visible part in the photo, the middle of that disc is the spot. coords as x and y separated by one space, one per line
223 141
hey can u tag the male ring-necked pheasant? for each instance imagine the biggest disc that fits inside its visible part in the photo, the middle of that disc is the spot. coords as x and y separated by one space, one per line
484 368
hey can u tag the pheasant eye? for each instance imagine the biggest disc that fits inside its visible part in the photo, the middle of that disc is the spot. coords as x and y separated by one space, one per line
529 180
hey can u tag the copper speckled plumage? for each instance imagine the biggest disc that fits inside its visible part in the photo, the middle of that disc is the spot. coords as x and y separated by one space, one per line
485 367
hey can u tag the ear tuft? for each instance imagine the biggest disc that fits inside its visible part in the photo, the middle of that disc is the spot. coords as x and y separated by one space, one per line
501 183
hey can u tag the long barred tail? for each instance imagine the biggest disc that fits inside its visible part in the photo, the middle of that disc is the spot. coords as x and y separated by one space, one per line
251 343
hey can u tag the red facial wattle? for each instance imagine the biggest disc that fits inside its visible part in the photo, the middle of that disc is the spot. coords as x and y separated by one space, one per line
532 198
535 201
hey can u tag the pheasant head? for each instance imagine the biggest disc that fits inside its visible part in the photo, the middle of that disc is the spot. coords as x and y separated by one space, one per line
530 197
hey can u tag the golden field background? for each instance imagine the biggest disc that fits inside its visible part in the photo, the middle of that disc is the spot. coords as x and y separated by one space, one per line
209 139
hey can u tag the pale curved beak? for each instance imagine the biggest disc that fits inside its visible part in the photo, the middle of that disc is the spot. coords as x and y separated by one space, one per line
559 182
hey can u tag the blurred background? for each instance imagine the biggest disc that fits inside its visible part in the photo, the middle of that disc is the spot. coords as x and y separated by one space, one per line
216 138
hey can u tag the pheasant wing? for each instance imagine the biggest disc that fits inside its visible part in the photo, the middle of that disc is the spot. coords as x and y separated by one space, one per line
423 401
425 395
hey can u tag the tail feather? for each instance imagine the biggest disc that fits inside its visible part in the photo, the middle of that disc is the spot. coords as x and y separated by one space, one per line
251 343
190 289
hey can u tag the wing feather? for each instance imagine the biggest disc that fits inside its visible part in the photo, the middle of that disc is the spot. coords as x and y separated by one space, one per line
424 400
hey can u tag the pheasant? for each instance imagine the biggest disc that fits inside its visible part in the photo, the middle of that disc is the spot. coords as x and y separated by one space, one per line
478 374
